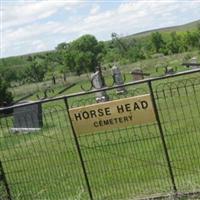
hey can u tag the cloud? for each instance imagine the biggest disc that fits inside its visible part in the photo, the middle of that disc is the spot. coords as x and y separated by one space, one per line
94 10
28 12
37 45
137 16
30 34
33 30
26 23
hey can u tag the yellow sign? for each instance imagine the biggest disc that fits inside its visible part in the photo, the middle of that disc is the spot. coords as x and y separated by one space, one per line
112 114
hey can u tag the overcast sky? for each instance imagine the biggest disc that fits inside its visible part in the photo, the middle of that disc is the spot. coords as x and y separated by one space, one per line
39 25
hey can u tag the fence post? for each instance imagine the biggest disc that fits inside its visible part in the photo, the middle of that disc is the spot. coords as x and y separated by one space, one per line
3 178
162 136
79 152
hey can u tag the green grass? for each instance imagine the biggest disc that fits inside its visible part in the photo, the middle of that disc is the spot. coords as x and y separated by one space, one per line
121 164
181 28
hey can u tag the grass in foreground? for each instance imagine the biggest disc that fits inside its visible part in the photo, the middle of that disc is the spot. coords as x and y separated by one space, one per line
121 164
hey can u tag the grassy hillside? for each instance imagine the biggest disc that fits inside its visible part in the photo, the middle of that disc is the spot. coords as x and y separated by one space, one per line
181 28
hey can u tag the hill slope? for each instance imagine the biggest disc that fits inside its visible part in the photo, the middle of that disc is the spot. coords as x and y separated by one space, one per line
180 28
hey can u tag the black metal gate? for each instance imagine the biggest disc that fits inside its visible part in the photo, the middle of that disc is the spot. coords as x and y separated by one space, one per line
159 159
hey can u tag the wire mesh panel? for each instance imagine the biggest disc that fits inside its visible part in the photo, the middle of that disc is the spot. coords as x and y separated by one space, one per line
179 107
43 157
124 163
42 162
4 188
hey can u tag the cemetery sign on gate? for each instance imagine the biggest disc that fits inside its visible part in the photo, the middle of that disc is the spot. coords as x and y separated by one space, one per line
112 114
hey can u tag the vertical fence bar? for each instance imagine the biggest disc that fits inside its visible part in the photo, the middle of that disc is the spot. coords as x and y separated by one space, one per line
79 152
162 136
3 177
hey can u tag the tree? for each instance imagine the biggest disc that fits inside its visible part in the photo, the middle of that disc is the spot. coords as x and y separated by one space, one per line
37 70
84 62
119 43
6 97
62 46
136 52
198 33
157 41
9 74
192 39
174 44
81 55
88 53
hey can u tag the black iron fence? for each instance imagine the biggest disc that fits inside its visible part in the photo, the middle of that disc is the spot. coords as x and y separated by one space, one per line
42 157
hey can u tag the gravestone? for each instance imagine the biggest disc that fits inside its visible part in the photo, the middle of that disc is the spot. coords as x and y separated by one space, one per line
118 79
98 83
138 74
169 70
194 63
27 118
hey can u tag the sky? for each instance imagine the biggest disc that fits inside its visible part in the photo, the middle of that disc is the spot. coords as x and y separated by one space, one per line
38 25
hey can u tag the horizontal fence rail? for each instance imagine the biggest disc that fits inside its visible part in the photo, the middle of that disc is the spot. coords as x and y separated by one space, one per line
43 156
185 73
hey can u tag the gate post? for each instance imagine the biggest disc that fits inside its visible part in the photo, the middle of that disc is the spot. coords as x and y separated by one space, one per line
79 151
3 178
162 136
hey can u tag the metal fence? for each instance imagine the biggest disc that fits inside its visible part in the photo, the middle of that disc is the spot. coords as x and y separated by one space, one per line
154 159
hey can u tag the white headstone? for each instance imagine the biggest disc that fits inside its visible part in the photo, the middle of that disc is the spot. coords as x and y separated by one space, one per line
118 79
193 61
98 84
